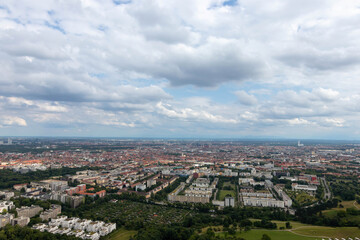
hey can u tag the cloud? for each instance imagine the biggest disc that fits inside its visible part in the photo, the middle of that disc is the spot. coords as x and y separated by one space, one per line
337 122
12 121
298 121
211 64
188 114
161 67
321 60
306 99
245 98
327 94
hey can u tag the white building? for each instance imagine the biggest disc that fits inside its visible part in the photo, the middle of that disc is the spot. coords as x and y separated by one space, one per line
91 236
246 181
6 205
82 228
311 189
263 202
94 226
7 194
141 187
229 202
257 194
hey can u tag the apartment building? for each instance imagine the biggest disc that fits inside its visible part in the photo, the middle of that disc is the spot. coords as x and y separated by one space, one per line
21 221
51 213
29 212
262 202
6 219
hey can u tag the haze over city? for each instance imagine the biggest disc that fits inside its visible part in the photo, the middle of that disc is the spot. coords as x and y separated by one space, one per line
194 69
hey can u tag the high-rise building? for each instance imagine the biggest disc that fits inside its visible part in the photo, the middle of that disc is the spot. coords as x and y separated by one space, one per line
229 202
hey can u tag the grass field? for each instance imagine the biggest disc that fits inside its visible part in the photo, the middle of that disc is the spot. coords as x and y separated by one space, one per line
256 234
293 224
340 232
303 232
229 184
314 231
345 217
223 194
120 234
347 204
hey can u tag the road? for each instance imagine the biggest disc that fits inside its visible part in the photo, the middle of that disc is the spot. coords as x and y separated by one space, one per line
327 194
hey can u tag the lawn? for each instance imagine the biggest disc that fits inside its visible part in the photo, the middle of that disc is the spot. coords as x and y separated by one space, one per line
299 231
229 184
348 204
223 194
345 204
120 234
283 223
333 213
302 232
256 234
340 232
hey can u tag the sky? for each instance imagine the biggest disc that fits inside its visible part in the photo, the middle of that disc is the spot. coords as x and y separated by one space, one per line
180 68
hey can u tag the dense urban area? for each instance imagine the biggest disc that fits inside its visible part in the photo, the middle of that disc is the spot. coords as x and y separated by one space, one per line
54 188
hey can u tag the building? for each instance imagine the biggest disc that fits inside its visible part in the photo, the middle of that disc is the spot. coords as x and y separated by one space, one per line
7 195
262 202
29 212
18 187
199 192
141 187
257 194
246 181
201 182
21 221
150 182
306 188
51 213
287 200
268 184
57 185
74 201
5 206
229 202
230 173
5 219
81 228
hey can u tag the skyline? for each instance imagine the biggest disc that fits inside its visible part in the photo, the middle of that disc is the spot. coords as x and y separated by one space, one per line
180 69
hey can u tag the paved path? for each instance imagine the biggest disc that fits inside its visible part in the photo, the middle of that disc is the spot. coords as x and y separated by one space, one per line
291 230
355 205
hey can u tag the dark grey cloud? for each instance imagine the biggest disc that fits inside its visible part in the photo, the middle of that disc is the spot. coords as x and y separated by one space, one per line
209 65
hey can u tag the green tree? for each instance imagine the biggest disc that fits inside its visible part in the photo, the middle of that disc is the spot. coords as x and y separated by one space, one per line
265 237
288 225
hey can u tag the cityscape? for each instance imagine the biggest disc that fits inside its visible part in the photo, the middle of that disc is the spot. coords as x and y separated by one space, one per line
93 188
179 120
